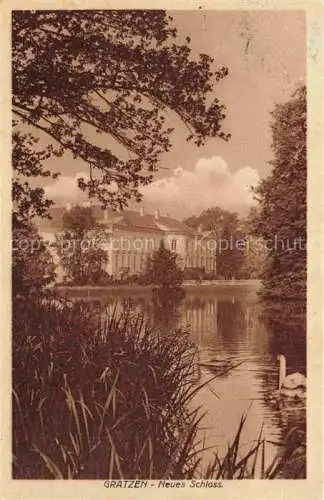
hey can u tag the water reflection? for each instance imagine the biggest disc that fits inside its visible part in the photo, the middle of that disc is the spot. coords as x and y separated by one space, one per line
164 308
232 328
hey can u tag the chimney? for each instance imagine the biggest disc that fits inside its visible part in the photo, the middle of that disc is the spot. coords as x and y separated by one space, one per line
200 228
68 206
157 213
141 211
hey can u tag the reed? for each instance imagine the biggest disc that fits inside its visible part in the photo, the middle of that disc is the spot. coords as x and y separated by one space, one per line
99 396
288 462
103 396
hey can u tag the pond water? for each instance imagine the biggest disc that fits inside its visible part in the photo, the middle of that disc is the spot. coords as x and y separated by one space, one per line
232 330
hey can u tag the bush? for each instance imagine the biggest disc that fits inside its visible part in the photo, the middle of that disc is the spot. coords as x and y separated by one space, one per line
163 270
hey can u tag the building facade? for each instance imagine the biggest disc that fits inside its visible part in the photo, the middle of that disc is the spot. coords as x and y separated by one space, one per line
131 237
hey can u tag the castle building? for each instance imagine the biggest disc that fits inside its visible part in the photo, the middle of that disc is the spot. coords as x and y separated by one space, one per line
131 237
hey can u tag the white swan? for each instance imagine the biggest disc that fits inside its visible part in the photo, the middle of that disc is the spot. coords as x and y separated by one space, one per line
293 385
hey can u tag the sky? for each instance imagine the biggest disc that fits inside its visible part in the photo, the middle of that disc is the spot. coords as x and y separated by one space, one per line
265 52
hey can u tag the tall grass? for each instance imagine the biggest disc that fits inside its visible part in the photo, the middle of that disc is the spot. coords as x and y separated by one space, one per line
103 396
98 396
289 462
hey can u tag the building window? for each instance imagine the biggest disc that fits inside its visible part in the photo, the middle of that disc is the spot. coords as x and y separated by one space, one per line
150 244
173 244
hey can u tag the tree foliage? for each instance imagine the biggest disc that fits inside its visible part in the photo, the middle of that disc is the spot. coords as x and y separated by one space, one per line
282 198
256 253
79 247
81 74
29 201
224 226
33 268
163 270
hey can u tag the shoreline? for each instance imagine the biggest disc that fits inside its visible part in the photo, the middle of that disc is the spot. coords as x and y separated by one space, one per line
134 287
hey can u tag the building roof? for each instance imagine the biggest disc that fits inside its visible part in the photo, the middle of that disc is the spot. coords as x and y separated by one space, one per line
123 219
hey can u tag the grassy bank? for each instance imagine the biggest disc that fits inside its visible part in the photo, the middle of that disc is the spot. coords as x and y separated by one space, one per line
99 397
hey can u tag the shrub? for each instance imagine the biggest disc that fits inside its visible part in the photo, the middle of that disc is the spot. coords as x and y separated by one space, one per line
163 270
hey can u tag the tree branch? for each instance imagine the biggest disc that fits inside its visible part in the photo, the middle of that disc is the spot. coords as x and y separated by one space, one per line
43 129
121 139
66 146
127 115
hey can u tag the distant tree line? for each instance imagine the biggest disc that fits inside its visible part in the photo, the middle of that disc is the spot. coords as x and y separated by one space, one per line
238 253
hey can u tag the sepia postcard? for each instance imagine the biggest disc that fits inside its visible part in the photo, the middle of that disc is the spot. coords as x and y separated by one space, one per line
161 277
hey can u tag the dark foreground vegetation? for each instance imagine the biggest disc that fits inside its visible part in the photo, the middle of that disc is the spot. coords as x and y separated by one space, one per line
102 397
98 398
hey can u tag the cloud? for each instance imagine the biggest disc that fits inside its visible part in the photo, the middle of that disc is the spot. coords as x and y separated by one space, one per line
210 184
65 189
183 193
